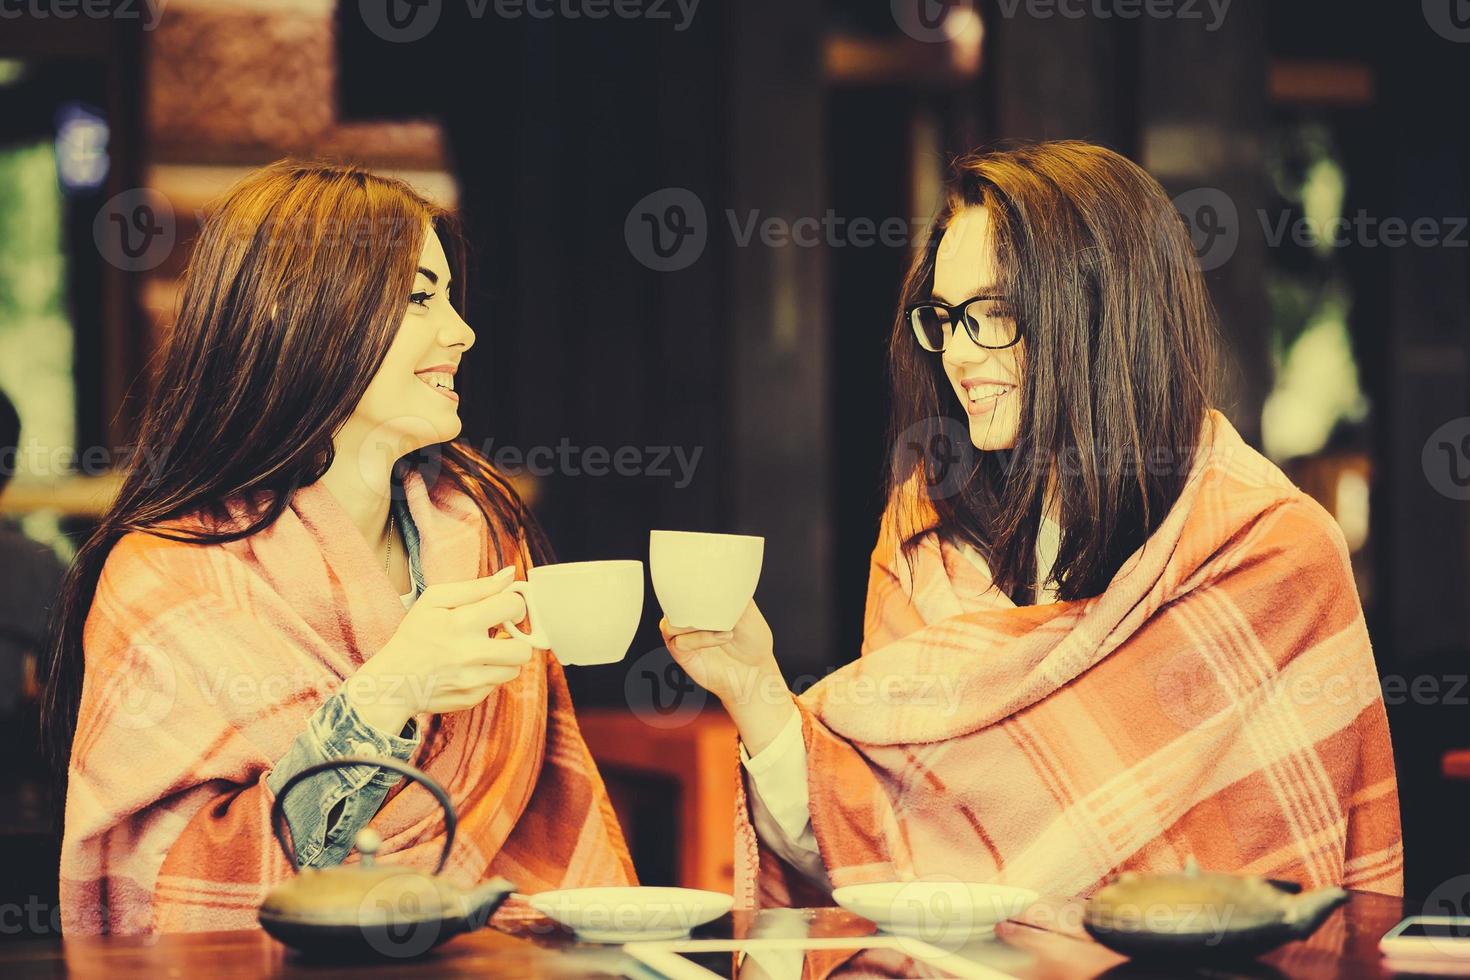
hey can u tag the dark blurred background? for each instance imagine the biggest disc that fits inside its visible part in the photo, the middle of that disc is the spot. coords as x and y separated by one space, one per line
689 225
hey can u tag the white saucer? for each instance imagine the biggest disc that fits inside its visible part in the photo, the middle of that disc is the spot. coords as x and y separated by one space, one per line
932 910
624 915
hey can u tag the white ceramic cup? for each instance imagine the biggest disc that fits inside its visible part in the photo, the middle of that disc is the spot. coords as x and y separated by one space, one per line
704 581
585 612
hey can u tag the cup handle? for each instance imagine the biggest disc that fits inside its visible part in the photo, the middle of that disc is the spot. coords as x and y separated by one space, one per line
537 638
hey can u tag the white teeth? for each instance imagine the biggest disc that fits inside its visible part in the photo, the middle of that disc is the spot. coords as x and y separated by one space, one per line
438 379
987 391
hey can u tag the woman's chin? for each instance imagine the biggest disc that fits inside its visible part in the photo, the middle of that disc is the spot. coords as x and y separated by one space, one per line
451 430
988 434
445 420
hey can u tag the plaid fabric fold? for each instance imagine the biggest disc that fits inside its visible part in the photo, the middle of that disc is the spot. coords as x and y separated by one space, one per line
1219 699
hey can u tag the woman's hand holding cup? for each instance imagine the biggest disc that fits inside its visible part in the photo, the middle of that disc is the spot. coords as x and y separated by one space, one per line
708 580
442 657
727 663
739 667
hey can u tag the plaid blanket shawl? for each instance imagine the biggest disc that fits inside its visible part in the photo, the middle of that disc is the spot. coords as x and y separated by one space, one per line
204 662
1219 699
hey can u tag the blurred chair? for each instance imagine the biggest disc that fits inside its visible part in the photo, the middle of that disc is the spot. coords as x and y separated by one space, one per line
30 825
30 579
686 773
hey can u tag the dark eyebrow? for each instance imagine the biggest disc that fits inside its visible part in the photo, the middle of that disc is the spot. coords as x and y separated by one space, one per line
431 276
990 293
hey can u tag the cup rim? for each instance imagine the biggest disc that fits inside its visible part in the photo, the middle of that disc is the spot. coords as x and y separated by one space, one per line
583 567
705 534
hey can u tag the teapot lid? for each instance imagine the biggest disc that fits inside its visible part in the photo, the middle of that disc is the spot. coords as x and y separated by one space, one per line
1182 901
362 895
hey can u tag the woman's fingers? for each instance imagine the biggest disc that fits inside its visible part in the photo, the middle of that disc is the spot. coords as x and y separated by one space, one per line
507 652
672 631
448 595
494 676
489 612
668 631
475 680
700 640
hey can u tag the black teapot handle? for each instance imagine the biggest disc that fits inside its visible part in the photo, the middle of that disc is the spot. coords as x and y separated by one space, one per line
402 768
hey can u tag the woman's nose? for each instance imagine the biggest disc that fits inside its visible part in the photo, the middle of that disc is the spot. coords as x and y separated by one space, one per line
962 350
459 333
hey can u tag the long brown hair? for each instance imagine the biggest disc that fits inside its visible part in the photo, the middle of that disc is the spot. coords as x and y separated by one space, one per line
294 292
1119 363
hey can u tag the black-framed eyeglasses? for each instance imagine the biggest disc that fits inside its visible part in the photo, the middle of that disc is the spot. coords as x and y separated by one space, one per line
989 320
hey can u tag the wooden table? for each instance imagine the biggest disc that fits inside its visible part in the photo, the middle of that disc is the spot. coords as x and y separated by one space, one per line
1346 946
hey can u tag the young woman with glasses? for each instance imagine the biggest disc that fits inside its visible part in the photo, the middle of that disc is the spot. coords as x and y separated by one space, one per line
1119 638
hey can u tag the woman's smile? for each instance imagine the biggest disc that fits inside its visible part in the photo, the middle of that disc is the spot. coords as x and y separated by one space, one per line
440 377
983 394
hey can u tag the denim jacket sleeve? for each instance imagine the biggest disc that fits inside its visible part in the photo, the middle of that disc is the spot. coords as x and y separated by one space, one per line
336 730
321 837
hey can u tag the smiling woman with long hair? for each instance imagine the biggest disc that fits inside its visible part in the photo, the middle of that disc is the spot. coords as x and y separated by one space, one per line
300 568
1116 637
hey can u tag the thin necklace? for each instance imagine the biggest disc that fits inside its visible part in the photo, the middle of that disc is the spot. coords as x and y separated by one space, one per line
387 562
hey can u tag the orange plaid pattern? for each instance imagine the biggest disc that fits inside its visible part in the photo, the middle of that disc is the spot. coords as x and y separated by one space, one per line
203 662
1219 700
